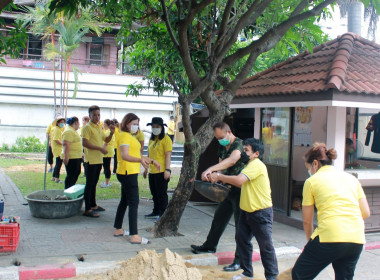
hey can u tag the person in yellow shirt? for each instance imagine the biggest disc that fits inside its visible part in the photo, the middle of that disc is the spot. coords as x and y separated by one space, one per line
72 151
129 159
117 132
139 135
56 145
171 128
93 139
160 149
50 153
85 121
256 216
110 153
342 207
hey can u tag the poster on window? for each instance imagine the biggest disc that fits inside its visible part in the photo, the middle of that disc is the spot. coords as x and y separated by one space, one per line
302 126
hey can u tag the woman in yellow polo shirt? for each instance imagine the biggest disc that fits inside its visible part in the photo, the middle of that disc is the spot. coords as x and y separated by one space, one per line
139 135
129 159
56 146
117 132
110 153
160 149
341 206
72 151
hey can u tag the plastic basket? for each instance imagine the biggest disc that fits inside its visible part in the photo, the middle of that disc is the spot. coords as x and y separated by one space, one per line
9 237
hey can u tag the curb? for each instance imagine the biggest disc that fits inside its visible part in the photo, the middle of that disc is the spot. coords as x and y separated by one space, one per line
75 269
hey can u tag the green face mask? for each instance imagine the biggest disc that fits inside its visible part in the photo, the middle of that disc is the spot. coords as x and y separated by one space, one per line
224 141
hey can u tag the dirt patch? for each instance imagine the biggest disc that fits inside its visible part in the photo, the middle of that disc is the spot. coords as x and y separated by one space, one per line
34 167
148 265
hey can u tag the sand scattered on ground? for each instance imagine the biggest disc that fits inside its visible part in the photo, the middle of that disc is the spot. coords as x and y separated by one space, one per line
149 265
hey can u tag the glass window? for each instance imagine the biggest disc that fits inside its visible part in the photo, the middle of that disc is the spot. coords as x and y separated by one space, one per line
275 135
34 48
96 54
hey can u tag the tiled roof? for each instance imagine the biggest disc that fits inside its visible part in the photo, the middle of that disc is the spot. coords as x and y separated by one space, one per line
349 64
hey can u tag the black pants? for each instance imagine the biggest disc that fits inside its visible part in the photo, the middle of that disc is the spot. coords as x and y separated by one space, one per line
50 156
85 165
92 178
107 167
72 172
316 256
221 218
257 224
159 190
57 167
129 197
115 161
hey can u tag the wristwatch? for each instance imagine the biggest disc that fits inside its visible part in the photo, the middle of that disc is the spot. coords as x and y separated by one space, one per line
168 170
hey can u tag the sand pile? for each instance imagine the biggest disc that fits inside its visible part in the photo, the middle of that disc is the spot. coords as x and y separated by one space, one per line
148 265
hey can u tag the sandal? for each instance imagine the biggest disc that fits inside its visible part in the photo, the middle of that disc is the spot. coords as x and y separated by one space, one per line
59 181
91 214
144 241
99 209
125 233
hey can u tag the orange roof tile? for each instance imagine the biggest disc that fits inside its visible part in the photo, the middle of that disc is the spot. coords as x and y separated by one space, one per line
349 64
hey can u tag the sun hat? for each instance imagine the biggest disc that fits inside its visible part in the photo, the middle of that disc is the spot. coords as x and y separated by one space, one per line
157 120
57 119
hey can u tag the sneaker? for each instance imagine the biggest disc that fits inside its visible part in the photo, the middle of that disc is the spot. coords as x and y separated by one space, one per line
156 220
50 170
241 276
151 216
104 185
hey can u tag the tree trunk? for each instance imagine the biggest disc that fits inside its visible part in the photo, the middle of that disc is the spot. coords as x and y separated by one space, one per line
169 222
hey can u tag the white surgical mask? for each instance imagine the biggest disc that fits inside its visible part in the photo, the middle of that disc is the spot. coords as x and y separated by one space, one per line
61 125
156 131
134 128
309 172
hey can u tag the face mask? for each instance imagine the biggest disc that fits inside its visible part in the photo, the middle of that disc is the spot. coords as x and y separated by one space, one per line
244 158
156 131
224 141
61 125
134 128
309 172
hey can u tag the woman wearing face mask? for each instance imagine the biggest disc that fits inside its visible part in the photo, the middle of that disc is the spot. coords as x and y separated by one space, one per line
139 135
56 145
341 206
110 153
128 167
160 149
72 151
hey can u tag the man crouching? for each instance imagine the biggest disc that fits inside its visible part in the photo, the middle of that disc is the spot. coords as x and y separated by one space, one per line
256 216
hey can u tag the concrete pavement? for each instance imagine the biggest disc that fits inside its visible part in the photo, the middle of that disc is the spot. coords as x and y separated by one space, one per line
53 246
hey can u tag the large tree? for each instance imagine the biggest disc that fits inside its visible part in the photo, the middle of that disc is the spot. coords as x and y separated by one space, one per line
198 52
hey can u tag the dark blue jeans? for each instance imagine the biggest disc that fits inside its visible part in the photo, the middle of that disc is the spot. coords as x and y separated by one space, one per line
129 198
257 224
316 256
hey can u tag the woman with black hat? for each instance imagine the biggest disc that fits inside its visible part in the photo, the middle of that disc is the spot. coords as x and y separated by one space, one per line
160 149
72 151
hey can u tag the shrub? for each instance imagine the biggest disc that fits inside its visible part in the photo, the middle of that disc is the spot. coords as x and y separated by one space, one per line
28 145
4 148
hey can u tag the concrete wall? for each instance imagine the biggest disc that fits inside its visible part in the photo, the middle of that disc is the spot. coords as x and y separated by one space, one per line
27 101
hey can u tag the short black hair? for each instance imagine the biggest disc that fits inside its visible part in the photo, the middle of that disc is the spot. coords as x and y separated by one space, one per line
72 120
93 108
256 145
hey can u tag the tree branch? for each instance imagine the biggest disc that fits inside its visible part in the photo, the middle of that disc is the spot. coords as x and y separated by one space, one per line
272 36
225 18
4 3
168 25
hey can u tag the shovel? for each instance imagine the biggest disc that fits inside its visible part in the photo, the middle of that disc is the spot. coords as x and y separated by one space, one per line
215 192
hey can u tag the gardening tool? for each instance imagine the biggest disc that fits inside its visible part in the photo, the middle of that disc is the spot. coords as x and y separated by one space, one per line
215 192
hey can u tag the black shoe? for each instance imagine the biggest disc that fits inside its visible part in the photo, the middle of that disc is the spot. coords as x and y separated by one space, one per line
201 249
232 267
151 216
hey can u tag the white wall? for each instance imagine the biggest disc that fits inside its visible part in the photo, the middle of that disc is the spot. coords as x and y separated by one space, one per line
27 101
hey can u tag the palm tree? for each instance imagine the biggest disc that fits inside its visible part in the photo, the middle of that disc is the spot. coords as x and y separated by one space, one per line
71 30
40 22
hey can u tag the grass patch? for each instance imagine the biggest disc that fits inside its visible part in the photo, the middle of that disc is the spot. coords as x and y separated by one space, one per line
9 162
29 181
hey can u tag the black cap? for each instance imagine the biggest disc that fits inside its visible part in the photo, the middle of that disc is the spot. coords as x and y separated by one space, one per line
157 120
